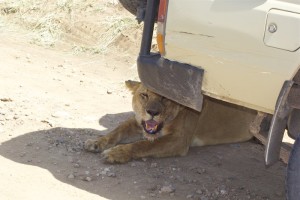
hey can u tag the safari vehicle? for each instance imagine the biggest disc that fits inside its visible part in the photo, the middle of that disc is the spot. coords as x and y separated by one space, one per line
245 52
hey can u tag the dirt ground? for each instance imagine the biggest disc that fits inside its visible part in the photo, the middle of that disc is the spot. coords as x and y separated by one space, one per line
55 92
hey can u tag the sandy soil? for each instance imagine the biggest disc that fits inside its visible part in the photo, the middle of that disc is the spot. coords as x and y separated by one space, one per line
53 99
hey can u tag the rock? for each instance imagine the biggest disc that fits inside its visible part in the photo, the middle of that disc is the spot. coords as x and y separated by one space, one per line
105 171
199 192
152 194
190 196
88 179
133 165
153 165
76 165
143 197
22 154
223 192
71 176
61 114
111 174
201 171
167 189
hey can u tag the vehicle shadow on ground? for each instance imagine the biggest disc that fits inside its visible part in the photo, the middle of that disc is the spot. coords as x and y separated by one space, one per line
60 151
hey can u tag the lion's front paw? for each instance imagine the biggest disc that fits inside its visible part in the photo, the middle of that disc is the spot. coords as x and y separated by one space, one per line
94 145
118 154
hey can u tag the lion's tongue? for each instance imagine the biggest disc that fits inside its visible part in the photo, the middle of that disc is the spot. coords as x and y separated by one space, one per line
151 125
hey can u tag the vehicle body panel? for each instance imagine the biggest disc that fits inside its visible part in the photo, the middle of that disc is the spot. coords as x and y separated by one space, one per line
226 39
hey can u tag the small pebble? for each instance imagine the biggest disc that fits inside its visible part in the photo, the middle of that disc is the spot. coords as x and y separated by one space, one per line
133 165
105 171
88 179
152 194
167 189
71 176
201 171
111 174
76 165
223 192
153 165
190 196
61 114
199 192
22 154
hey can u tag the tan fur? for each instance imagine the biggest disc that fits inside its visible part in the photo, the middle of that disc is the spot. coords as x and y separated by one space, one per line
182 127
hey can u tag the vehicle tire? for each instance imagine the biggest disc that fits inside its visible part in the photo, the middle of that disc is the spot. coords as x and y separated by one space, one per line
293 173
133 5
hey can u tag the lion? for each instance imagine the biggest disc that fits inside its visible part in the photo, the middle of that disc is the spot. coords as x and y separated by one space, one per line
165 128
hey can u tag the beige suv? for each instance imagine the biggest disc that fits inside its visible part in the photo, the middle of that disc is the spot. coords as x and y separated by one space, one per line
245 52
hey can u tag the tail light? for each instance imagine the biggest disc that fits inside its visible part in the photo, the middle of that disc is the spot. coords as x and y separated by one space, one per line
161 22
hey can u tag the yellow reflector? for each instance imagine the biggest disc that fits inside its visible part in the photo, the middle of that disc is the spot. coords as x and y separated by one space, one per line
160 43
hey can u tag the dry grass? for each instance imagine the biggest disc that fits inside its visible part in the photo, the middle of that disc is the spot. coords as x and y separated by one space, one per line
84 25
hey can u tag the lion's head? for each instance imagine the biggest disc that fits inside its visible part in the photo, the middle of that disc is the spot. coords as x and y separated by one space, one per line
152 111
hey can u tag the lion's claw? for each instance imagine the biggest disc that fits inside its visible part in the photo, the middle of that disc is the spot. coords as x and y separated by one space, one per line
92 145
118 154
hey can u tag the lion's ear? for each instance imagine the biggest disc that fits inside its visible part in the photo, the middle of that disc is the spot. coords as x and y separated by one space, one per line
132 85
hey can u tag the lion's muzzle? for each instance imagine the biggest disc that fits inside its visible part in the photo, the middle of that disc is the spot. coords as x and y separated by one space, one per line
151 126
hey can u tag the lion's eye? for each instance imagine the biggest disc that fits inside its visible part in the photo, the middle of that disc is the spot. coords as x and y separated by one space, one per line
144 95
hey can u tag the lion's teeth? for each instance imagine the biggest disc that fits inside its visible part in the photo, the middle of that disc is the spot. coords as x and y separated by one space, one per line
151 127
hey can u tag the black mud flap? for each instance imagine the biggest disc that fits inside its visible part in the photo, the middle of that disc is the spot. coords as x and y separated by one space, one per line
177 81
278 125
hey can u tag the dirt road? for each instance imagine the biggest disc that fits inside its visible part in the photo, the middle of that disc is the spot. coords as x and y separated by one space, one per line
52 100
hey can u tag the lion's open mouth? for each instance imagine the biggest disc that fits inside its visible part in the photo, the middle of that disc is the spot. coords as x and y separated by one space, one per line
151 126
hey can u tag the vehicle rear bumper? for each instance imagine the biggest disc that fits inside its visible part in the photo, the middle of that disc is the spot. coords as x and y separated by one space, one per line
179 82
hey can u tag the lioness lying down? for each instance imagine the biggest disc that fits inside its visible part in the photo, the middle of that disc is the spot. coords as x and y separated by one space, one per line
169 129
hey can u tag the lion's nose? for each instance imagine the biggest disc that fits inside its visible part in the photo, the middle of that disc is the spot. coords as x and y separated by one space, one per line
152 112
